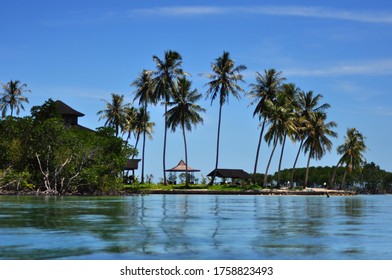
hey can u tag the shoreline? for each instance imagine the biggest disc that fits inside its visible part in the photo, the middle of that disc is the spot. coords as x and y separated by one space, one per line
273 192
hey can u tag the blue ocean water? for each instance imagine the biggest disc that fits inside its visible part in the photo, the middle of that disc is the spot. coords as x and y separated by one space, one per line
196 227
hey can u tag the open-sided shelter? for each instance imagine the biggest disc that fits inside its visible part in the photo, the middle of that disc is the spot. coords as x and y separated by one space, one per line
231 173
181 167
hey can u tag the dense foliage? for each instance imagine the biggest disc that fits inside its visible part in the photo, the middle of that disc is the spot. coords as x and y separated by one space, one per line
60 159
39 153
370 180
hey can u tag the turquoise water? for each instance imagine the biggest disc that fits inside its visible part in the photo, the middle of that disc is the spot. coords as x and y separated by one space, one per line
196 227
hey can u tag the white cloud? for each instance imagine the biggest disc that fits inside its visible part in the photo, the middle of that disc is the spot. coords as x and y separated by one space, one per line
374 16
383 111
298 11
375 67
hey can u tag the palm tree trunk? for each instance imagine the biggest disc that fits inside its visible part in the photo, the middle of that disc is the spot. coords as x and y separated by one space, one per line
164 147
281 157
137 139
344 178
269 162
258 152
186 156
129 136
307 170
217 147
331 182
295 162
144 145
144 138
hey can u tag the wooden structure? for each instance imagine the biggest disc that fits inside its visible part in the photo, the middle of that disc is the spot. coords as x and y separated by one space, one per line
70 115
182 167
231 173
132 164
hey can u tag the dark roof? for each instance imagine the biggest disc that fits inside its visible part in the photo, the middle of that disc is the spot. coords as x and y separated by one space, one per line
132 164
64 109
231 173
181 167
78 126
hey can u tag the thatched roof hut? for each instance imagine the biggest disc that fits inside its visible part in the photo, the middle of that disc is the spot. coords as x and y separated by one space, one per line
231 173
181 167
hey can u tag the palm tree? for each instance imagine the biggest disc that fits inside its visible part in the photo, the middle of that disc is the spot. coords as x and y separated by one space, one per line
12 97
185 113
143 125
265 89
145 94
145 89
129 122
317 142
306 106
115 112
281 116
224 81
289 94
352 153
167 72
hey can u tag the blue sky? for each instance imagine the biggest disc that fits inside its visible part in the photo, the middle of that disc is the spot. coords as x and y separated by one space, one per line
82 51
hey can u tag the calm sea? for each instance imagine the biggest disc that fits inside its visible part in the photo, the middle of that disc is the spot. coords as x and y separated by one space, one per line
196 227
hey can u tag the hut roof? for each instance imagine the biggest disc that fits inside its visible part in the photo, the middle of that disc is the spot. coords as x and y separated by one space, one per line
181 167
64 109
231 173
132 164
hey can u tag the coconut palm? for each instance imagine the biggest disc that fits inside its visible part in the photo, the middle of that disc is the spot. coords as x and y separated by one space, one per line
145 94
185 112
145 126
289 94
12 97
352 153
167 72
129 122
224 80
115 112
306 106
282 123
317 141
145 89
265 88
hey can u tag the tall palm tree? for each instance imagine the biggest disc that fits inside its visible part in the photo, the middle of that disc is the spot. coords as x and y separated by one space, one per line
265 88
167 72
12 97
352 153
307 104
289 94
224 80
143 125
317 141
281 116
129 122
185 113
115 112
145 88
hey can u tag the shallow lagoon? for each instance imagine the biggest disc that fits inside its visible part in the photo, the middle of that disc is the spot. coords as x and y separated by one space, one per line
196 227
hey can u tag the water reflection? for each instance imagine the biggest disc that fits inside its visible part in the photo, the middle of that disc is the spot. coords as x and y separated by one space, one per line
194 227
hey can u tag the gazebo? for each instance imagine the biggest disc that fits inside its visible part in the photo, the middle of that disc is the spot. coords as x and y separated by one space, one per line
131 165
181 167
231 173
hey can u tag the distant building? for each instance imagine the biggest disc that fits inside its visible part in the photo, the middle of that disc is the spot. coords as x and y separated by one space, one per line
231 173
70 115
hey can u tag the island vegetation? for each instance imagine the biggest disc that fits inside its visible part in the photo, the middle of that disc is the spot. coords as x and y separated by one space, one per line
40 153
